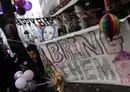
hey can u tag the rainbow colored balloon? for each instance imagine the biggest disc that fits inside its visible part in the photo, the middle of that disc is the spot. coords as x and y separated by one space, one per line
109 24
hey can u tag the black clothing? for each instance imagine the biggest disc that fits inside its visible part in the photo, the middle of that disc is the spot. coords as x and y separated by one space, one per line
6 72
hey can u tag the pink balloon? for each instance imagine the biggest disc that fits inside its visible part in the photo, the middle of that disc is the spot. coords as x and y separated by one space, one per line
28 75
20 3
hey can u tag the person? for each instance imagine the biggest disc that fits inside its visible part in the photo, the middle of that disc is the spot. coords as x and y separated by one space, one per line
6 70
37 67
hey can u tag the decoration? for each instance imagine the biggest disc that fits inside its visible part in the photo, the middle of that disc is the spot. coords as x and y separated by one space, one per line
28 75
109 23
24 80
28 5
10 30
122 62
49 69
18 74
21 11
55 74
59 81
1 10
20 83
19 3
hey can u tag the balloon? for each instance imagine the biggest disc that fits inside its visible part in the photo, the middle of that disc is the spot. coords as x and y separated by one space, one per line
20 83
1 10
18 74
10 31
28 6
19 3
28 75
109 24
21 11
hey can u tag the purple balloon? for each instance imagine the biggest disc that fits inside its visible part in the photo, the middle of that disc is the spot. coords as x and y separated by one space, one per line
21 11
28 5
1 9
19 3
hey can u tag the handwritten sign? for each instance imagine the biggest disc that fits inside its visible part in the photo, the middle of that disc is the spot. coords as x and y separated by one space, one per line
89 56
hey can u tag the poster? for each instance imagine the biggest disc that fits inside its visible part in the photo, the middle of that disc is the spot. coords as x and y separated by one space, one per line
88 56
35 30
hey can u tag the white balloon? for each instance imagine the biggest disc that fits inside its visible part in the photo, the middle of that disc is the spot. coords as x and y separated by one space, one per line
20 83
28 75
18 74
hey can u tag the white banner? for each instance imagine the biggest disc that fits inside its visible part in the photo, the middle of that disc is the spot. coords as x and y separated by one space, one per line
88 56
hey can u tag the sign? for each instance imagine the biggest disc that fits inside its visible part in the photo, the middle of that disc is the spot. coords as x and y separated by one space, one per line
88 56
31 30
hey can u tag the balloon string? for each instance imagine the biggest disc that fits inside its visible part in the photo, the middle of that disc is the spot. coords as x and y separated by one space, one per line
41 84
107 5
46 78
